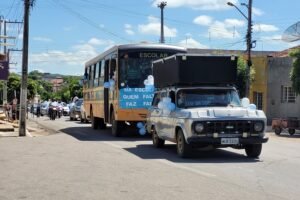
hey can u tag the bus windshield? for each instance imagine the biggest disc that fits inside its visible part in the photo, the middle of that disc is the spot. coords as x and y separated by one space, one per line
133 72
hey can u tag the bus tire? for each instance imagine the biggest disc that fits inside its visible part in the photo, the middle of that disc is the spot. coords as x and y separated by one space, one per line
94 121
115 126
101 123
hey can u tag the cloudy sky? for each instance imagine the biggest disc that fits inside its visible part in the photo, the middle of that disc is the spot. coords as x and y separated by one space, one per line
64 34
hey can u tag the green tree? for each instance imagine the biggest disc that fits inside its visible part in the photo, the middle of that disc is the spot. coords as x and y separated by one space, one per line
242 75
13 86
295 73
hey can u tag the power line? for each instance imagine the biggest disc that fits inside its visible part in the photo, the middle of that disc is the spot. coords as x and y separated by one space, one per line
88 21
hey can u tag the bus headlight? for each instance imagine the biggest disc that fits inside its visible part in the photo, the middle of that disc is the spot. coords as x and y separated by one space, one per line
258 126
199 127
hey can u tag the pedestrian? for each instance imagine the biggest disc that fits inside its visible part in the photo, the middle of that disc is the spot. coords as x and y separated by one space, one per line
32 110
38 109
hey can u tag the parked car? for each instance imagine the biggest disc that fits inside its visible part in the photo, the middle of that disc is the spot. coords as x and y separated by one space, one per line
44 108
83 116
75 110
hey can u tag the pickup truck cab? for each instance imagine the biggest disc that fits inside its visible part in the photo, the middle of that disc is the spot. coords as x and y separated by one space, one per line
205 116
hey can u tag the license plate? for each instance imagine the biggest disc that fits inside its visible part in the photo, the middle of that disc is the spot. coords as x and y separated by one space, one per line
229 140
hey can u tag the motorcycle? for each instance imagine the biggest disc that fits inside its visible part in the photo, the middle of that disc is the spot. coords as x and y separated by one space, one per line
52 112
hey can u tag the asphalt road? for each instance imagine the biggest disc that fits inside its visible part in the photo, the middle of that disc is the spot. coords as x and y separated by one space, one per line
77 162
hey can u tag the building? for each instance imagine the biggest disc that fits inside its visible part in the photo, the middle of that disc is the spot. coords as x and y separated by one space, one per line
56 81
272 90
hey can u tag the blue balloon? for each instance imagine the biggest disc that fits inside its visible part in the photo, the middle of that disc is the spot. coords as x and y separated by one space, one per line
106 85
142 131
140 125
171 106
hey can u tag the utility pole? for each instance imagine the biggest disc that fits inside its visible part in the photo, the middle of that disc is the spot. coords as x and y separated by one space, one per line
249 42
162 5
249 47
6 54
23 99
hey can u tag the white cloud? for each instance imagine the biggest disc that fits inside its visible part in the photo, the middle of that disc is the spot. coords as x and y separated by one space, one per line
75 58
191 43
128 29
257 11
203 20
234 23
264 28
42 39
153 28
99 42
197 4
220 30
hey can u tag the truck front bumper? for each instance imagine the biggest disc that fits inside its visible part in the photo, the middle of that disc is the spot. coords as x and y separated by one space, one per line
201 141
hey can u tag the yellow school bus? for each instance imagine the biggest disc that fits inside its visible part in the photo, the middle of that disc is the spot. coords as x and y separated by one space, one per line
116 88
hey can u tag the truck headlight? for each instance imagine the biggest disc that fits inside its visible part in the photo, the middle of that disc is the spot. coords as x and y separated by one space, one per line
258 126
199 127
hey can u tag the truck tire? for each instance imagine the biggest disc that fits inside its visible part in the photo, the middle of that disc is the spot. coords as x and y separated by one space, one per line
116 126
277 130
183 148
157 142
253 150
291 131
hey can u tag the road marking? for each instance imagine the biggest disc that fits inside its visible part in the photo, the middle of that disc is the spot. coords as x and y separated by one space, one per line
186 168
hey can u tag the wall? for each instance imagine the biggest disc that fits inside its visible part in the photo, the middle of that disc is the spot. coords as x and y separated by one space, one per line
279 74
260 65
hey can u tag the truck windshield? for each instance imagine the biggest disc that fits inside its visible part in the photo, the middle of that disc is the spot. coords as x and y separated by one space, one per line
188 98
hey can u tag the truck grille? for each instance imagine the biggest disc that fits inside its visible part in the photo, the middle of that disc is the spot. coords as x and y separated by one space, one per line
228 127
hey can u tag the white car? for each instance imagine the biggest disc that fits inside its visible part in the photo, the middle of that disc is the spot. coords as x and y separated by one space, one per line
66 109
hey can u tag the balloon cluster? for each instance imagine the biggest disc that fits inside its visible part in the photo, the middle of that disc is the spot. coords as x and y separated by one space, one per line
141 127
149 83
110 84
166 105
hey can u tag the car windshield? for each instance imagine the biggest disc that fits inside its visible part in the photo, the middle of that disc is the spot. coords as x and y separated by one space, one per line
188 98
78 102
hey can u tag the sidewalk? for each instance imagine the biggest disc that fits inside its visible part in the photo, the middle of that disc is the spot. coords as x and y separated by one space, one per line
11 129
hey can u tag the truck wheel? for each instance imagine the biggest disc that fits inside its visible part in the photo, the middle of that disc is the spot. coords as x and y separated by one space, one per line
183 148
253 150
291 131
157 142
277 130
116 127
94 121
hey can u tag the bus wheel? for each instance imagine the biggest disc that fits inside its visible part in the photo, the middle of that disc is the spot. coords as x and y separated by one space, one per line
101 123
115 127
94 121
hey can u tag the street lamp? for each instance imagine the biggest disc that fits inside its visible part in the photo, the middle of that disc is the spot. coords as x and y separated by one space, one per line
248 38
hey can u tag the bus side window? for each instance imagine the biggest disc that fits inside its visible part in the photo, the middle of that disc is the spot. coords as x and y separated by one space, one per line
96 83
102 68
90 76
113 64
